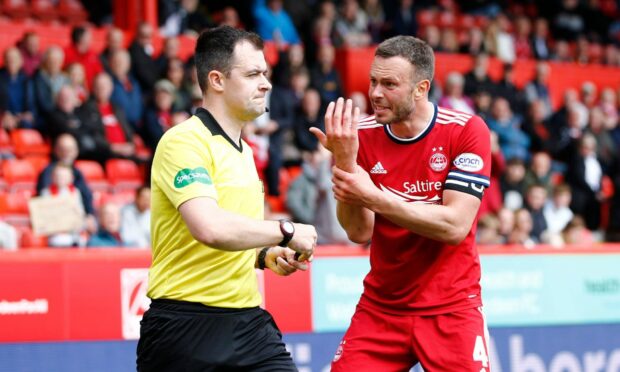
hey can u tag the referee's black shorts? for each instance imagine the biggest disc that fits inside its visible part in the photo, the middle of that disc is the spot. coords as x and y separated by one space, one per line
184 336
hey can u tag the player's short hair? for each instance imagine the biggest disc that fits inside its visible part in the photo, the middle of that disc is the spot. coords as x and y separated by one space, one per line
414 50
215 48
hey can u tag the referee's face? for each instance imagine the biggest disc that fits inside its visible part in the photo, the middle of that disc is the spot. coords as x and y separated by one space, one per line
248 83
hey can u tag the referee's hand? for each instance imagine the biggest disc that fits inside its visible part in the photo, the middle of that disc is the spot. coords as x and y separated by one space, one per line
304 241
282 261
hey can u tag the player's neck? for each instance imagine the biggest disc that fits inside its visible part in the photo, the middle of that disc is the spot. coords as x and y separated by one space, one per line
417 123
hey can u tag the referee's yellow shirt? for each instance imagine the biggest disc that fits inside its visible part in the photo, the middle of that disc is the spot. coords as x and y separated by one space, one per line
197 159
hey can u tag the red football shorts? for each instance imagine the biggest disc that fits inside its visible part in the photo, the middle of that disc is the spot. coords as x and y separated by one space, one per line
380 342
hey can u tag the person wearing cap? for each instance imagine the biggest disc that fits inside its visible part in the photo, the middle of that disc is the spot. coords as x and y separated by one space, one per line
158 116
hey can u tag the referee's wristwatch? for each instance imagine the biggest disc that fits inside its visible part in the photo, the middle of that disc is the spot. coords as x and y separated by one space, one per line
288 230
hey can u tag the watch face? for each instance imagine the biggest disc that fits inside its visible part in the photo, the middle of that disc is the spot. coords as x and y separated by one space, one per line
288 227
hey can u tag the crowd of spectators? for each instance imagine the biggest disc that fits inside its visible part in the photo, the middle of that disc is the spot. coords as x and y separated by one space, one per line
556 175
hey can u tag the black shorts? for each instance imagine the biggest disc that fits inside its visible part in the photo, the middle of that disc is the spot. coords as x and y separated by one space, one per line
186 336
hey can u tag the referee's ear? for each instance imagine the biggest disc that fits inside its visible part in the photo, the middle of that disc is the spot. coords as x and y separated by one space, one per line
215 80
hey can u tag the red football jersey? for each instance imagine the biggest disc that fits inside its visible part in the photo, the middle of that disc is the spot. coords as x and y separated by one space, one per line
410 273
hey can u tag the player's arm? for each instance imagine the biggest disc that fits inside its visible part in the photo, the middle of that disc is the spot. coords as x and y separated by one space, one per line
221 229
357 221
449 222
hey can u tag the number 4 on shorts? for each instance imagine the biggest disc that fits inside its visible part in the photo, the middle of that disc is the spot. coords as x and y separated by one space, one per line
480 353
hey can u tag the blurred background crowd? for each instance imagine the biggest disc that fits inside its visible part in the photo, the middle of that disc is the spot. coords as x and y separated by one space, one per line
83 120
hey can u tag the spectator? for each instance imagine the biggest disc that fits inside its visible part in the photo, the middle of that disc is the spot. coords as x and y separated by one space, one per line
169 52
493 197
65 151
561 52
538 89
77 80
535 199
187 18
568 22
63 118
523 48
498 40
539 172
273 23
540 39
488 230
432 35
308 117
474 43
230 17
63 185
453 94
512 140
135 228
359 100
108 234
589 93
80 52
477 79
557 212
16 110
281 103
290 60
564 136
175 73
506 219
143 65
482 104
376 20
8 237
576 232
585 179
606 150
158 116
111 118
537 127
449 42
32 56
521 234
507 88
47 81
351 26
609 107
513 184
127 93
115 40
310 198
403 21
324 76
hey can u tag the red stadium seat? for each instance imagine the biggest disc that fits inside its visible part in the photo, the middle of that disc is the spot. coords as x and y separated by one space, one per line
29 142
17 9
123 174
19 174
72 11
28 239
14 208
38 162
44 10
94 174
6 147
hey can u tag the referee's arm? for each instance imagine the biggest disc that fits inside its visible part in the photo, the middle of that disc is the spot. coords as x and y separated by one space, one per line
221 229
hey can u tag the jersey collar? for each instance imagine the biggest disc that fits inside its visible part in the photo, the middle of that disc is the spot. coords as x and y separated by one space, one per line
214 127
407 141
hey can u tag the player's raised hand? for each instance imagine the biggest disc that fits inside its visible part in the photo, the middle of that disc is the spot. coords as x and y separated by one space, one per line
304 241
282 261
340 135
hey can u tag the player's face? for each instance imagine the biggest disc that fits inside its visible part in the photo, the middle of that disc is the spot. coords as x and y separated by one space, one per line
247 84
391 89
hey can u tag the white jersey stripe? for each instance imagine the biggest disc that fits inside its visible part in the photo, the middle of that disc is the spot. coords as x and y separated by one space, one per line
460 183
458 120
469 177
455 114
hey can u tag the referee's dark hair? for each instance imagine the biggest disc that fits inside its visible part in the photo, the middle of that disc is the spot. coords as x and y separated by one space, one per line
215 48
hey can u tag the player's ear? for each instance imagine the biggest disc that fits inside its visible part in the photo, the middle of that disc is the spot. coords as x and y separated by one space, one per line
421 89
215 80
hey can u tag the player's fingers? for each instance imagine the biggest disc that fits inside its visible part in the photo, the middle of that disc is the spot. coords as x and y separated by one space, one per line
329 117
320 136
346 120
303 266
355 121
337 120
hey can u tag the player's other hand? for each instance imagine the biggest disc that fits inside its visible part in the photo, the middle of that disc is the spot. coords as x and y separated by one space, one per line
282 261
340 135
304 241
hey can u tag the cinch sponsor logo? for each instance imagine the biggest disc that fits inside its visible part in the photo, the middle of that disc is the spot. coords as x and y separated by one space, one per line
421 186
188 176
23 306
468 162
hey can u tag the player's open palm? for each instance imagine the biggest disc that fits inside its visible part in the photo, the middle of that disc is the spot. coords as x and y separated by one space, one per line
340 135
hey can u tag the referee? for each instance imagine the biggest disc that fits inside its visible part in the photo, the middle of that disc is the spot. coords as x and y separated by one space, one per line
208 231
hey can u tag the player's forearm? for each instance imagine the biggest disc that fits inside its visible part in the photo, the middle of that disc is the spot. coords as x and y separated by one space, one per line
357 221
231 232
438 222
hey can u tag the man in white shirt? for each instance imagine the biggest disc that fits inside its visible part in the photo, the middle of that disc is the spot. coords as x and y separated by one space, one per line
136 220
